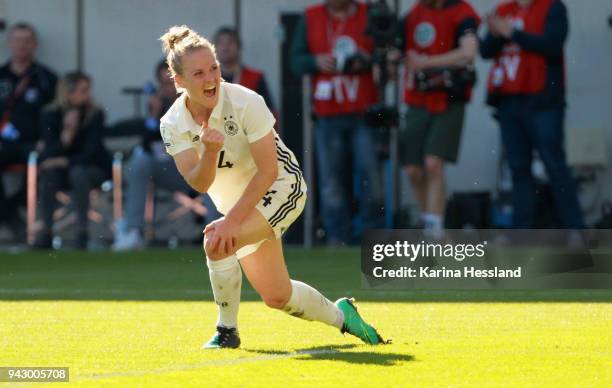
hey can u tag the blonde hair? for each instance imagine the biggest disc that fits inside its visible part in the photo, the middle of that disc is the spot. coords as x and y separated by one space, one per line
181 40
66 85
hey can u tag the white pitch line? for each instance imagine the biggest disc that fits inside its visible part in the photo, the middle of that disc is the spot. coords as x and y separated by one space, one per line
225 362
116 291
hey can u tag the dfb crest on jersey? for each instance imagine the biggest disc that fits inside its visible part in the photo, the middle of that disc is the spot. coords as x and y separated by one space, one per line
230 126
424 34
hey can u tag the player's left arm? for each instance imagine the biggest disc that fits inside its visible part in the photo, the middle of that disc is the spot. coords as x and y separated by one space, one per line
257 123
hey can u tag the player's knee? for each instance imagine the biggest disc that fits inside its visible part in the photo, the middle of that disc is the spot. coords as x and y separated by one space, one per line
210 254
215 255
434 166
275 300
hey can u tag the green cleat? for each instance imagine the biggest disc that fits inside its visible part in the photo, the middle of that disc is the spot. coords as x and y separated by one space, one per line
355 325
224 338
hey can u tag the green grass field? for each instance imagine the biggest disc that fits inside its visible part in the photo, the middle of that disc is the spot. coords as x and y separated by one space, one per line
139 320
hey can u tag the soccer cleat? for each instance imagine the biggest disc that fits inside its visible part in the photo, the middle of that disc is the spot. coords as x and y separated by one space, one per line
225 337
355 325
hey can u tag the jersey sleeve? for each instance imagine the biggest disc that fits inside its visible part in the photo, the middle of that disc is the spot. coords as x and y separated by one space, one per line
257 120
174 141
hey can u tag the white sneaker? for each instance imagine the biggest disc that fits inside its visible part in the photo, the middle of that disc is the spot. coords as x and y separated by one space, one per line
129 241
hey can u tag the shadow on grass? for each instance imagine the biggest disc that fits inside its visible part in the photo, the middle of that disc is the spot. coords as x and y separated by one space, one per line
344 353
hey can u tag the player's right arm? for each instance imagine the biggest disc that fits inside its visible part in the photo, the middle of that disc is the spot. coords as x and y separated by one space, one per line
198 172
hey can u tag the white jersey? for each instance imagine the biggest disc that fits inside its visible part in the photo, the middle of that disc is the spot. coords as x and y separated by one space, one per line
242 116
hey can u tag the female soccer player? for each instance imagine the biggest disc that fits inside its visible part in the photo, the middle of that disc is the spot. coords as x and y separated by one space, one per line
222 139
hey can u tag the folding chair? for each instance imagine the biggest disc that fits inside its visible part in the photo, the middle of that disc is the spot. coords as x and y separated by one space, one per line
99 212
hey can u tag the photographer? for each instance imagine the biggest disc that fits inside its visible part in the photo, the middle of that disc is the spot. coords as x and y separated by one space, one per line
439 43
331 44
525 39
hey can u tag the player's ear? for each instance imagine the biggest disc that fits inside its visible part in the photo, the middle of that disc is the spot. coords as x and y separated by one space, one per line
179 81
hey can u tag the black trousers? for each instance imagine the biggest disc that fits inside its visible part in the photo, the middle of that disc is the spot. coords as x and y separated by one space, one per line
80 180
12 153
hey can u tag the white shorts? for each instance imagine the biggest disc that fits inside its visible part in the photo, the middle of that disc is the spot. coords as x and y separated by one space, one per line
281 206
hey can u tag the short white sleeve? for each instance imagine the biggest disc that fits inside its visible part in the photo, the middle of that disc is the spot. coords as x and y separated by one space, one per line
174 141
257 120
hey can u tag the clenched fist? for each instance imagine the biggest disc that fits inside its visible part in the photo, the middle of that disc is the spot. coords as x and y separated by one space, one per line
212 139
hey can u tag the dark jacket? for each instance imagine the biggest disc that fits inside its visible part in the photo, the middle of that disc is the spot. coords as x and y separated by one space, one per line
25 110
86 148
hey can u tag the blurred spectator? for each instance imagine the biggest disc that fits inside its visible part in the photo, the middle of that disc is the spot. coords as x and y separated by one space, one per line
73 156
330 44
149 163
526 85
439 39
25 87
228 45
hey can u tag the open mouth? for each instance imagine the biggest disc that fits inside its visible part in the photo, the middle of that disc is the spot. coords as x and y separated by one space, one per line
210 92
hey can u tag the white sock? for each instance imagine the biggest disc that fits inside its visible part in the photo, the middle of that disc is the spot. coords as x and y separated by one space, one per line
226 281
309 304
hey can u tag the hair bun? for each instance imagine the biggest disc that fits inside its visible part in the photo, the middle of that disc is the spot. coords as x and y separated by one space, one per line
174 36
